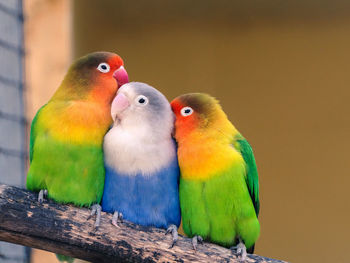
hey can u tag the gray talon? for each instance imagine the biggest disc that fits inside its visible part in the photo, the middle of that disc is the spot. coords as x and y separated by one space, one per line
115 218
96 209
200 239
241 250
195 241
98 216
42 195
173 230
93 212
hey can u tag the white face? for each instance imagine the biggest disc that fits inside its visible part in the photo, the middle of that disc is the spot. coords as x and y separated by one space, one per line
141 105
141 134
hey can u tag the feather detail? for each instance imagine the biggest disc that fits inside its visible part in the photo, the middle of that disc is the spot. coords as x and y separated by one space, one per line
145 199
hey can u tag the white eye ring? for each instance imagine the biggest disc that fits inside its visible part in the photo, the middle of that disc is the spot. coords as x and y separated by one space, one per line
104 67
141 100
186 111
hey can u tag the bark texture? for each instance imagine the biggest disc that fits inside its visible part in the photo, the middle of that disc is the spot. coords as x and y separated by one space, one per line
64 229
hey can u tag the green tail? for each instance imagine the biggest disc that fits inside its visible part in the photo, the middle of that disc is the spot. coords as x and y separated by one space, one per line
64 258
251 249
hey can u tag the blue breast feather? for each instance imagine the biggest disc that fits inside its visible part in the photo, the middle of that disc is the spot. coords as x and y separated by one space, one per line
149 200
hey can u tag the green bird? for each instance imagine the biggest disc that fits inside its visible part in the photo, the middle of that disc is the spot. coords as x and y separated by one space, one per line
65 151
219 188
66 158
66 155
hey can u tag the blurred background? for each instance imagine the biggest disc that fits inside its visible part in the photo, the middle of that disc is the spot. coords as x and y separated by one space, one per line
280 69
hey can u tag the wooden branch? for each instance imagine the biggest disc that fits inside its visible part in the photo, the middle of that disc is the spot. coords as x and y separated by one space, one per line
64 229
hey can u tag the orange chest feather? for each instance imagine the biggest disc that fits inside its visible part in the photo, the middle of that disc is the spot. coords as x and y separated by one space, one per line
203 160
77 122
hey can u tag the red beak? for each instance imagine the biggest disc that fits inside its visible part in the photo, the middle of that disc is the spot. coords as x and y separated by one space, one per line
121 76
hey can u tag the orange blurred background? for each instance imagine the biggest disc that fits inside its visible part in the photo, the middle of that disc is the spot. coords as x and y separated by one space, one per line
279 68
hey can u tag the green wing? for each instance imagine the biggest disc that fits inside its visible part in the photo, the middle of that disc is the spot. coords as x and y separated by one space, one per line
33 134
252 178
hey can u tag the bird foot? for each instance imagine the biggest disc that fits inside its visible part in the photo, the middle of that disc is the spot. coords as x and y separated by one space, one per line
173 230
42 194
96 209
115 218
240 250
195 241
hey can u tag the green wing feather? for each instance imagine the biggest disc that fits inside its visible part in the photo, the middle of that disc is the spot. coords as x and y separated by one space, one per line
33 134
252 178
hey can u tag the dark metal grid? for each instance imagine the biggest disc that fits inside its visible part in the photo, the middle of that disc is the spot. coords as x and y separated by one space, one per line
9 83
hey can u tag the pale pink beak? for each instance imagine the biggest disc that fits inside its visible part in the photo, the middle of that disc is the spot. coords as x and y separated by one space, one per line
121 76
119 104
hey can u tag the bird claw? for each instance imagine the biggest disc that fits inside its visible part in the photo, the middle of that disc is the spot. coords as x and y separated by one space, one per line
93 212
195 241
240 250
95 209
173 230
42 194
117 216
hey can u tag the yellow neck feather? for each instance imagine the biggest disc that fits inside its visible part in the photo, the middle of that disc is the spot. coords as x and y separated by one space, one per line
205 152
77 122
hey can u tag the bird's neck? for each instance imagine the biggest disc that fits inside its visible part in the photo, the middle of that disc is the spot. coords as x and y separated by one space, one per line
202 154
77 122
80 90
135 150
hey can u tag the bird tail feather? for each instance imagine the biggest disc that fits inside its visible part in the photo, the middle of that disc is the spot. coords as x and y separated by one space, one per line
64 258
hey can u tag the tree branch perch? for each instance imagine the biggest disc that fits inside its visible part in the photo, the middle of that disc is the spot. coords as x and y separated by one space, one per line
64 229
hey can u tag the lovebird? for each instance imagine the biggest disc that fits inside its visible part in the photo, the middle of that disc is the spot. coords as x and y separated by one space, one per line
142 172
219 188
66 137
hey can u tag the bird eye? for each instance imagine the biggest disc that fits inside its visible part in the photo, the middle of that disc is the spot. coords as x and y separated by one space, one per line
186 111
142 100
104 67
